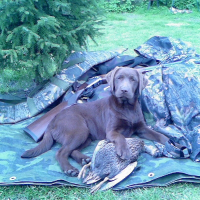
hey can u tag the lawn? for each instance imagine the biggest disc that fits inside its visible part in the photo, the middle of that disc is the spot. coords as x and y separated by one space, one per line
174 192
128 30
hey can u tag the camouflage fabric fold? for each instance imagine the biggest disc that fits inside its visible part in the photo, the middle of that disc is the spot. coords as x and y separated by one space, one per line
166 49
170 103
44 169
57 86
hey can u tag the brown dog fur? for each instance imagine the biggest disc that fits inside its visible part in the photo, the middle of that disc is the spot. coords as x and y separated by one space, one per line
113 118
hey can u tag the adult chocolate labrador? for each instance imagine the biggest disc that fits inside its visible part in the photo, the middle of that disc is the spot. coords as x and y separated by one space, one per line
114 118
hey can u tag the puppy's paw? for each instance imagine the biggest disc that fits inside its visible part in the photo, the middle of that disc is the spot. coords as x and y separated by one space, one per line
72 172
85 161
124 152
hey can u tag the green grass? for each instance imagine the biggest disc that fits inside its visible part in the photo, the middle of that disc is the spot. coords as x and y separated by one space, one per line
173 192
128 30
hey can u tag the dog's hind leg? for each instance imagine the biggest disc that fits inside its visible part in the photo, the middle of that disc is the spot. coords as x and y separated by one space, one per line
62 157
78 156
72 141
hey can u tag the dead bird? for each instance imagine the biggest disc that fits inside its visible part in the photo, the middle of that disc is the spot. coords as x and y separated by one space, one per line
107 165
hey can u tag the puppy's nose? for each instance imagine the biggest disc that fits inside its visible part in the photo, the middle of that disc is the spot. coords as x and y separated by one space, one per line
124 90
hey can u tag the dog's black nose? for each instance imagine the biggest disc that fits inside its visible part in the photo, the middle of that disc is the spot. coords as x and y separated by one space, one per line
124 90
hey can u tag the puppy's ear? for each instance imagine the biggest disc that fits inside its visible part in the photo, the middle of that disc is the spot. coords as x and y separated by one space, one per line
110 78
143 81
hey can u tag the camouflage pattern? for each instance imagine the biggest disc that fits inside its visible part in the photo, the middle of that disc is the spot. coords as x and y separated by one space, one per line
53 90
45 170
170 104
178 114
166 49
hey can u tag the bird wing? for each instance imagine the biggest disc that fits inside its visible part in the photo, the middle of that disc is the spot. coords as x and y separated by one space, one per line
119 177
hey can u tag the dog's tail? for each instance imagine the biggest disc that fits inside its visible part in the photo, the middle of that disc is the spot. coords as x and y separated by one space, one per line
44 145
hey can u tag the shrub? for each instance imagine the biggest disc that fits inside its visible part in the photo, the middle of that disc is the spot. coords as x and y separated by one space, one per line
119 6
38 34
185 4
181 4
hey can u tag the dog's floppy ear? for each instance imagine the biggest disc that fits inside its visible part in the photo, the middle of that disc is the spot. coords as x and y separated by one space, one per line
143 81
110 78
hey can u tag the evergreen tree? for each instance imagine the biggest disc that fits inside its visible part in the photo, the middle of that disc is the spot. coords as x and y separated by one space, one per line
38 34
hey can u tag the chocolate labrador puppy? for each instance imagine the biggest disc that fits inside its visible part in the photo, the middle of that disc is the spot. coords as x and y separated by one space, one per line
113 118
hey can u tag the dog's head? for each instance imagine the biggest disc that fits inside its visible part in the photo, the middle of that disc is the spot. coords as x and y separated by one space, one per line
126 83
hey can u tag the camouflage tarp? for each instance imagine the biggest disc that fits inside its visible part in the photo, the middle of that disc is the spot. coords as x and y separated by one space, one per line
170 104
79 62
45 170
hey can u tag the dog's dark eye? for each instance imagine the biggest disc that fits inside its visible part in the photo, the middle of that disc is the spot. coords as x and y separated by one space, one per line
132 78
119 77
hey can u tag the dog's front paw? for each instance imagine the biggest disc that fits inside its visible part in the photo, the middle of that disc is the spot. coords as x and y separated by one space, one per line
124 152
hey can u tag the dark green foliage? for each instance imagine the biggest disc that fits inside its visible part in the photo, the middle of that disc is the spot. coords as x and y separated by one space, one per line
179 4
38 34
185 4
119 6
